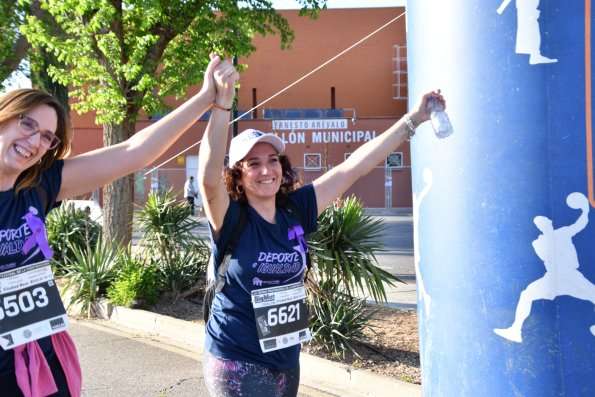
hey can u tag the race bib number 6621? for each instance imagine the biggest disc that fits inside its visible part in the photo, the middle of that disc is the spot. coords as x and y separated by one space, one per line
281 316
30 305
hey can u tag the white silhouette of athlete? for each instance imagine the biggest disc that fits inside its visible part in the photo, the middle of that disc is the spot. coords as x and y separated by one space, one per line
423 296
528 36
554 247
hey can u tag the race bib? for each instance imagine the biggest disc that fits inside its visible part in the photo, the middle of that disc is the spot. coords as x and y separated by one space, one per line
30 305
281 316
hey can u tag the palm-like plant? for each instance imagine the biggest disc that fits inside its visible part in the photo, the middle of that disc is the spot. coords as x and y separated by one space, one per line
68 227
89 273
344 246
166 225
339 321
167 233
180 277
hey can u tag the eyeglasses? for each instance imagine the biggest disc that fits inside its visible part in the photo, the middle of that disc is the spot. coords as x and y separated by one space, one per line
30 127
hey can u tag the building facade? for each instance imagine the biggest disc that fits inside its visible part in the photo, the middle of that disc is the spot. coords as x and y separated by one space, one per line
325 116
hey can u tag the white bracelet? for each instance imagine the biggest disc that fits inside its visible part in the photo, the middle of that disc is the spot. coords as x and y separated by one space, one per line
409 126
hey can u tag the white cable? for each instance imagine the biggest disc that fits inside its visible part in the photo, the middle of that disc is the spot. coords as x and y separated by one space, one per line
286 88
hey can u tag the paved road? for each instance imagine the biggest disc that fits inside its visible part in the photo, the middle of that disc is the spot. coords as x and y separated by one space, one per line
115 363
397 258
118 363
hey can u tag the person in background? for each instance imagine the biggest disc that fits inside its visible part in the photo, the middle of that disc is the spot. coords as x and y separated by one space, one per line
190 193
258 319
36 174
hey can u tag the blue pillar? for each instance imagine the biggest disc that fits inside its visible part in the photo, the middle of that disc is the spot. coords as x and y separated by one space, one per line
504 227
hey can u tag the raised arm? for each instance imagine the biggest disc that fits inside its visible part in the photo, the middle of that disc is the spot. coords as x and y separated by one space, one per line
335 182
211 155
88 171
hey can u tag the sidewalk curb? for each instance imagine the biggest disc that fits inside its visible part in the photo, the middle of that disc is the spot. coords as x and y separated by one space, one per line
316 373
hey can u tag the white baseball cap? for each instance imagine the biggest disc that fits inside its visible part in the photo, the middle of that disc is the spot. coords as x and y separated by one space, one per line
244 141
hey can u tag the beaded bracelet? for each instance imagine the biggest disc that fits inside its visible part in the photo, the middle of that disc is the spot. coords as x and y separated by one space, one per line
410 127
216 105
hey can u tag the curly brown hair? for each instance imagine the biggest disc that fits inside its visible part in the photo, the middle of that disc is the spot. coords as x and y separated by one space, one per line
291 181
23 101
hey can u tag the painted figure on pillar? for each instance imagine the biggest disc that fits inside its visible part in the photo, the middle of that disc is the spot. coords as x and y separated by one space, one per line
562 277
528 37
423 295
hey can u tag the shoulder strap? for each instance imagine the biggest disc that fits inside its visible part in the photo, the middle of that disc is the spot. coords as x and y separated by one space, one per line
231 246
293 210
43 196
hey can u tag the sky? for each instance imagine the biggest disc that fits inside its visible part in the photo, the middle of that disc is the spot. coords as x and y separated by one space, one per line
293 4
22 81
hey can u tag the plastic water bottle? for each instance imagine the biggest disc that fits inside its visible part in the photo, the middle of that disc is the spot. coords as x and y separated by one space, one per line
439 119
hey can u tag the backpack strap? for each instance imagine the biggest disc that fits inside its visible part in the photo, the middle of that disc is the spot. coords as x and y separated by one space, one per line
293 210
231 246
43 196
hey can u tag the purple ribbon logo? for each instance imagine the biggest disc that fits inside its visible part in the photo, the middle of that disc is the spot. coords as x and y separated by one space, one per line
38 237
297 233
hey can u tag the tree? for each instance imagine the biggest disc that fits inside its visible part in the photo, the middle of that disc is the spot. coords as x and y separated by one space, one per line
14 48
126 55
13 45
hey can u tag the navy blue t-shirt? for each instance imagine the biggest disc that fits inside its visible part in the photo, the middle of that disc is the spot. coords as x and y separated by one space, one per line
255 264
14 231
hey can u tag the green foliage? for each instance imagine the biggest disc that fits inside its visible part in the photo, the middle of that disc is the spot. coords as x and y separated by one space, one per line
343 250
339 320
11 17
184 271
121 56
69 228
344 247
89 273
135 282
165 224
166 235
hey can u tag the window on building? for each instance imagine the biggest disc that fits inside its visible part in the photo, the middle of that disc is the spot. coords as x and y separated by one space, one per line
400 76
312 161
313 113
395 160
294 113
272 113
333 113
346 156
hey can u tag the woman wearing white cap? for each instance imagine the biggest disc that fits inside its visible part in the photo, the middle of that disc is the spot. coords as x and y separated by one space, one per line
258 319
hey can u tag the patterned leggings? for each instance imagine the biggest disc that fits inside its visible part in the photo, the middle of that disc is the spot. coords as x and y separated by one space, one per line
228 378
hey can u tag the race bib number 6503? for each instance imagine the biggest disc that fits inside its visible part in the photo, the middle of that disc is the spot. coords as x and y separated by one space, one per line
30 305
